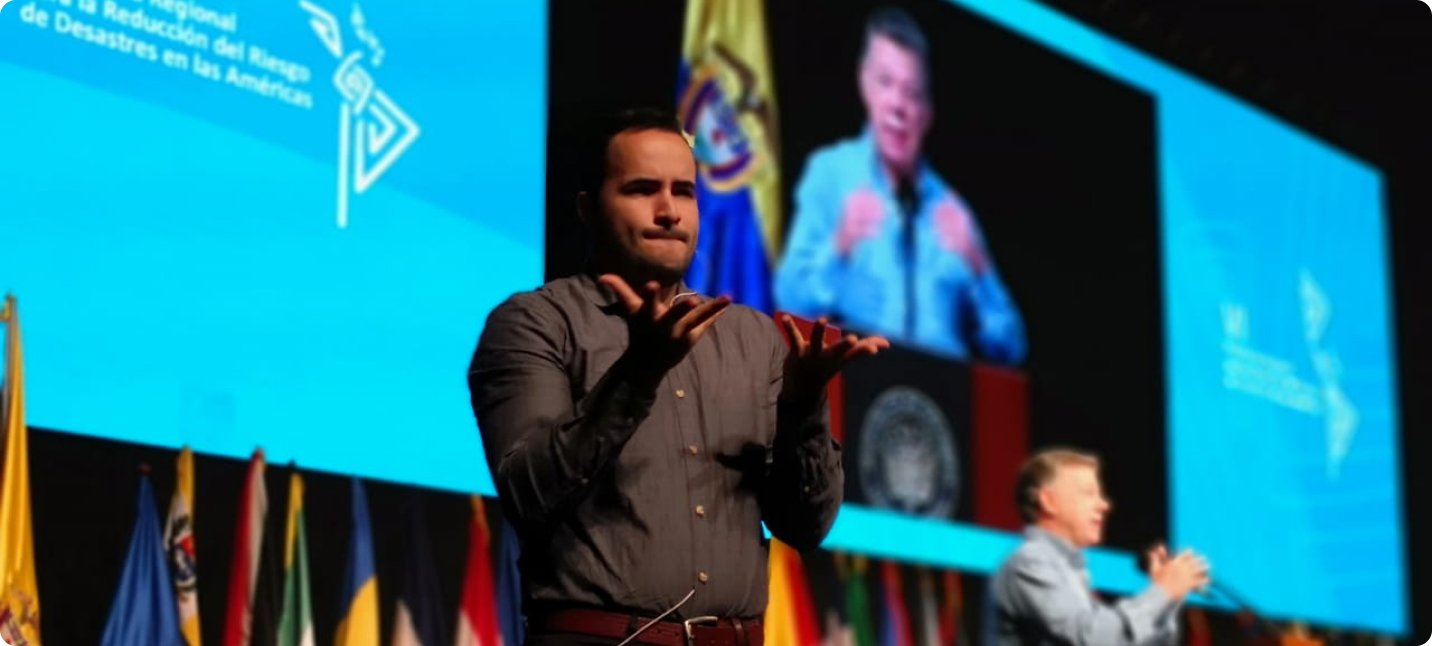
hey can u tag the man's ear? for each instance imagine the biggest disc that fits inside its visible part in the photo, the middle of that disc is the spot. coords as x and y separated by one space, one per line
1046 501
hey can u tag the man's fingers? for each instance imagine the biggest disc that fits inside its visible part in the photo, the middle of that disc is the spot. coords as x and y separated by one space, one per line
699 314
1158 555
867 347
817 335
653 308
694 334
841 346
798 340
625 294
680 309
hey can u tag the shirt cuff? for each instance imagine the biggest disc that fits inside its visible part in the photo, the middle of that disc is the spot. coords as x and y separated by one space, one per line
1146 612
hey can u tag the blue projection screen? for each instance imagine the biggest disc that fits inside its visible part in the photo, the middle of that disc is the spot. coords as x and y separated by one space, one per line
1282 415
277 224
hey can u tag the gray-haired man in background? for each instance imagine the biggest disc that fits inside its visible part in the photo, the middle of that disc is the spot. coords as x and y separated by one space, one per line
1041 595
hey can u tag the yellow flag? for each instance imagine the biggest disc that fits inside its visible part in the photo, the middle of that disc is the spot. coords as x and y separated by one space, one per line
19 596
780 623
179 544
790 612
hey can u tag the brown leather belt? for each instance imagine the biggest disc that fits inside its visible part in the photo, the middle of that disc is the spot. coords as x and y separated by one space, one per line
697 631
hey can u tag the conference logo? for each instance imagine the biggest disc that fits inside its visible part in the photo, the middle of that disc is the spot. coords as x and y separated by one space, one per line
724 146
907 457
373 130
1276 379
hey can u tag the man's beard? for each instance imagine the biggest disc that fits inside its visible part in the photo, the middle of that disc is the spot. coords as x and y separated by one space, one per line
626 260
661 273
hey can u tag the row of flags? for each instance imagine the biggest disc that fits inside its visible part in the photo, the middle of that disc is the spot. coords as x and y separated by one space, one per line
156 602
791 618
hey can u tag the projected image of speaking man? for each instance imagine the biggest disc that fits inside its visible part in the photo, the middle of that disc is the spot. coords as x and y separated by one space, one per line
879 241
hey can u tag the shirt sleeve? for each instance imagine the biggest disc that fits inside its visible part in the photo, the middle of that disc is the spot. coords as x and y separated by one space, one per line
808 274
1167 633
999 332
545 449
1041 593
805 482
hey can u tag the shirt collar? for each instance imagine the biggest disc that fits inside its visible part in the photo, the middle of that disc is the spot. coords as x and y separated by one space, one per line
602 296
1037 534
924 176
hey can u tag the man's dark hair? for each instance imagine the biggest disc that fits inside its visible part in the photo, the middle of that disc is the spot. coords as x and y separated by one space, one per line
897 25
596 138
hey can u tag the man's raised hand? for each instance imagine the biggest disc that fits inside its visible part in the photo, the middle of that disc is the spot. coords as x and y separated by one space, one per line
811 363
662 333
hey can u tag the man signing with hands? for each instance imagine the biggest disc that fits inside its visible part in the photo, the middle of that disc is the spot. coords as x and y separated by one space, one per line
639 434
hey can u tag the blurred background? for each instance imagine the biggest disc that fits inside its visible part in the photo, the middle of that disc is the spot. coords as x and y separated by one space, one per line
1184 236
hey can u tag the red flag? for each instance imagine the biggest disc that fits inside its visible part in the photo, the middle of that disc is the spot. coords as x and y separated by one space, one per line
953 611
477 614
248 543
807 626
1198 632
790 611
896 628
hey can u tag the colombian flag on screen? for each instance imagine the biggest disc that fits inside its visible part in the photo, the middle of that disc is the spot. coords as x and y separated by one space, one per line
726 103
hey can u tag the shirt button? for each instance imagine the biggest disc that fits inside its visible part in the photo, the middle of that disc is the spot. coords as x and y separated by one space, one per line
680 393
701 511
692 449
703 577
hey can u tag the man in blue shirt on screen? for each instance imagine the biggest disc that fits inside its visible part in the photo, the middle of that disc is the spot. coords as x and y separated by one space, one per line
879 241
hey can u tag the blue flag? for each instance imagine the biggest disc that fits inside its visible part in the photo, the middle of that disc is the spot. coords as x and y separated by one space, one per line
418 620
144 610
509 589
359 624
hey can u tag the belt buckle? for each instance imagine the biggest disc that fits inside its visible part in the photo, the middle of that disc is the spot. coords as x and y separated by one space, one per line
694 621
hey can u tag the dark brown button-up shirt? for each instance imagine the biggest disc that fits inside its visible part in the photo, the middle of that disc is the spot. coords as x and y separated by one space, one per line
628 498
